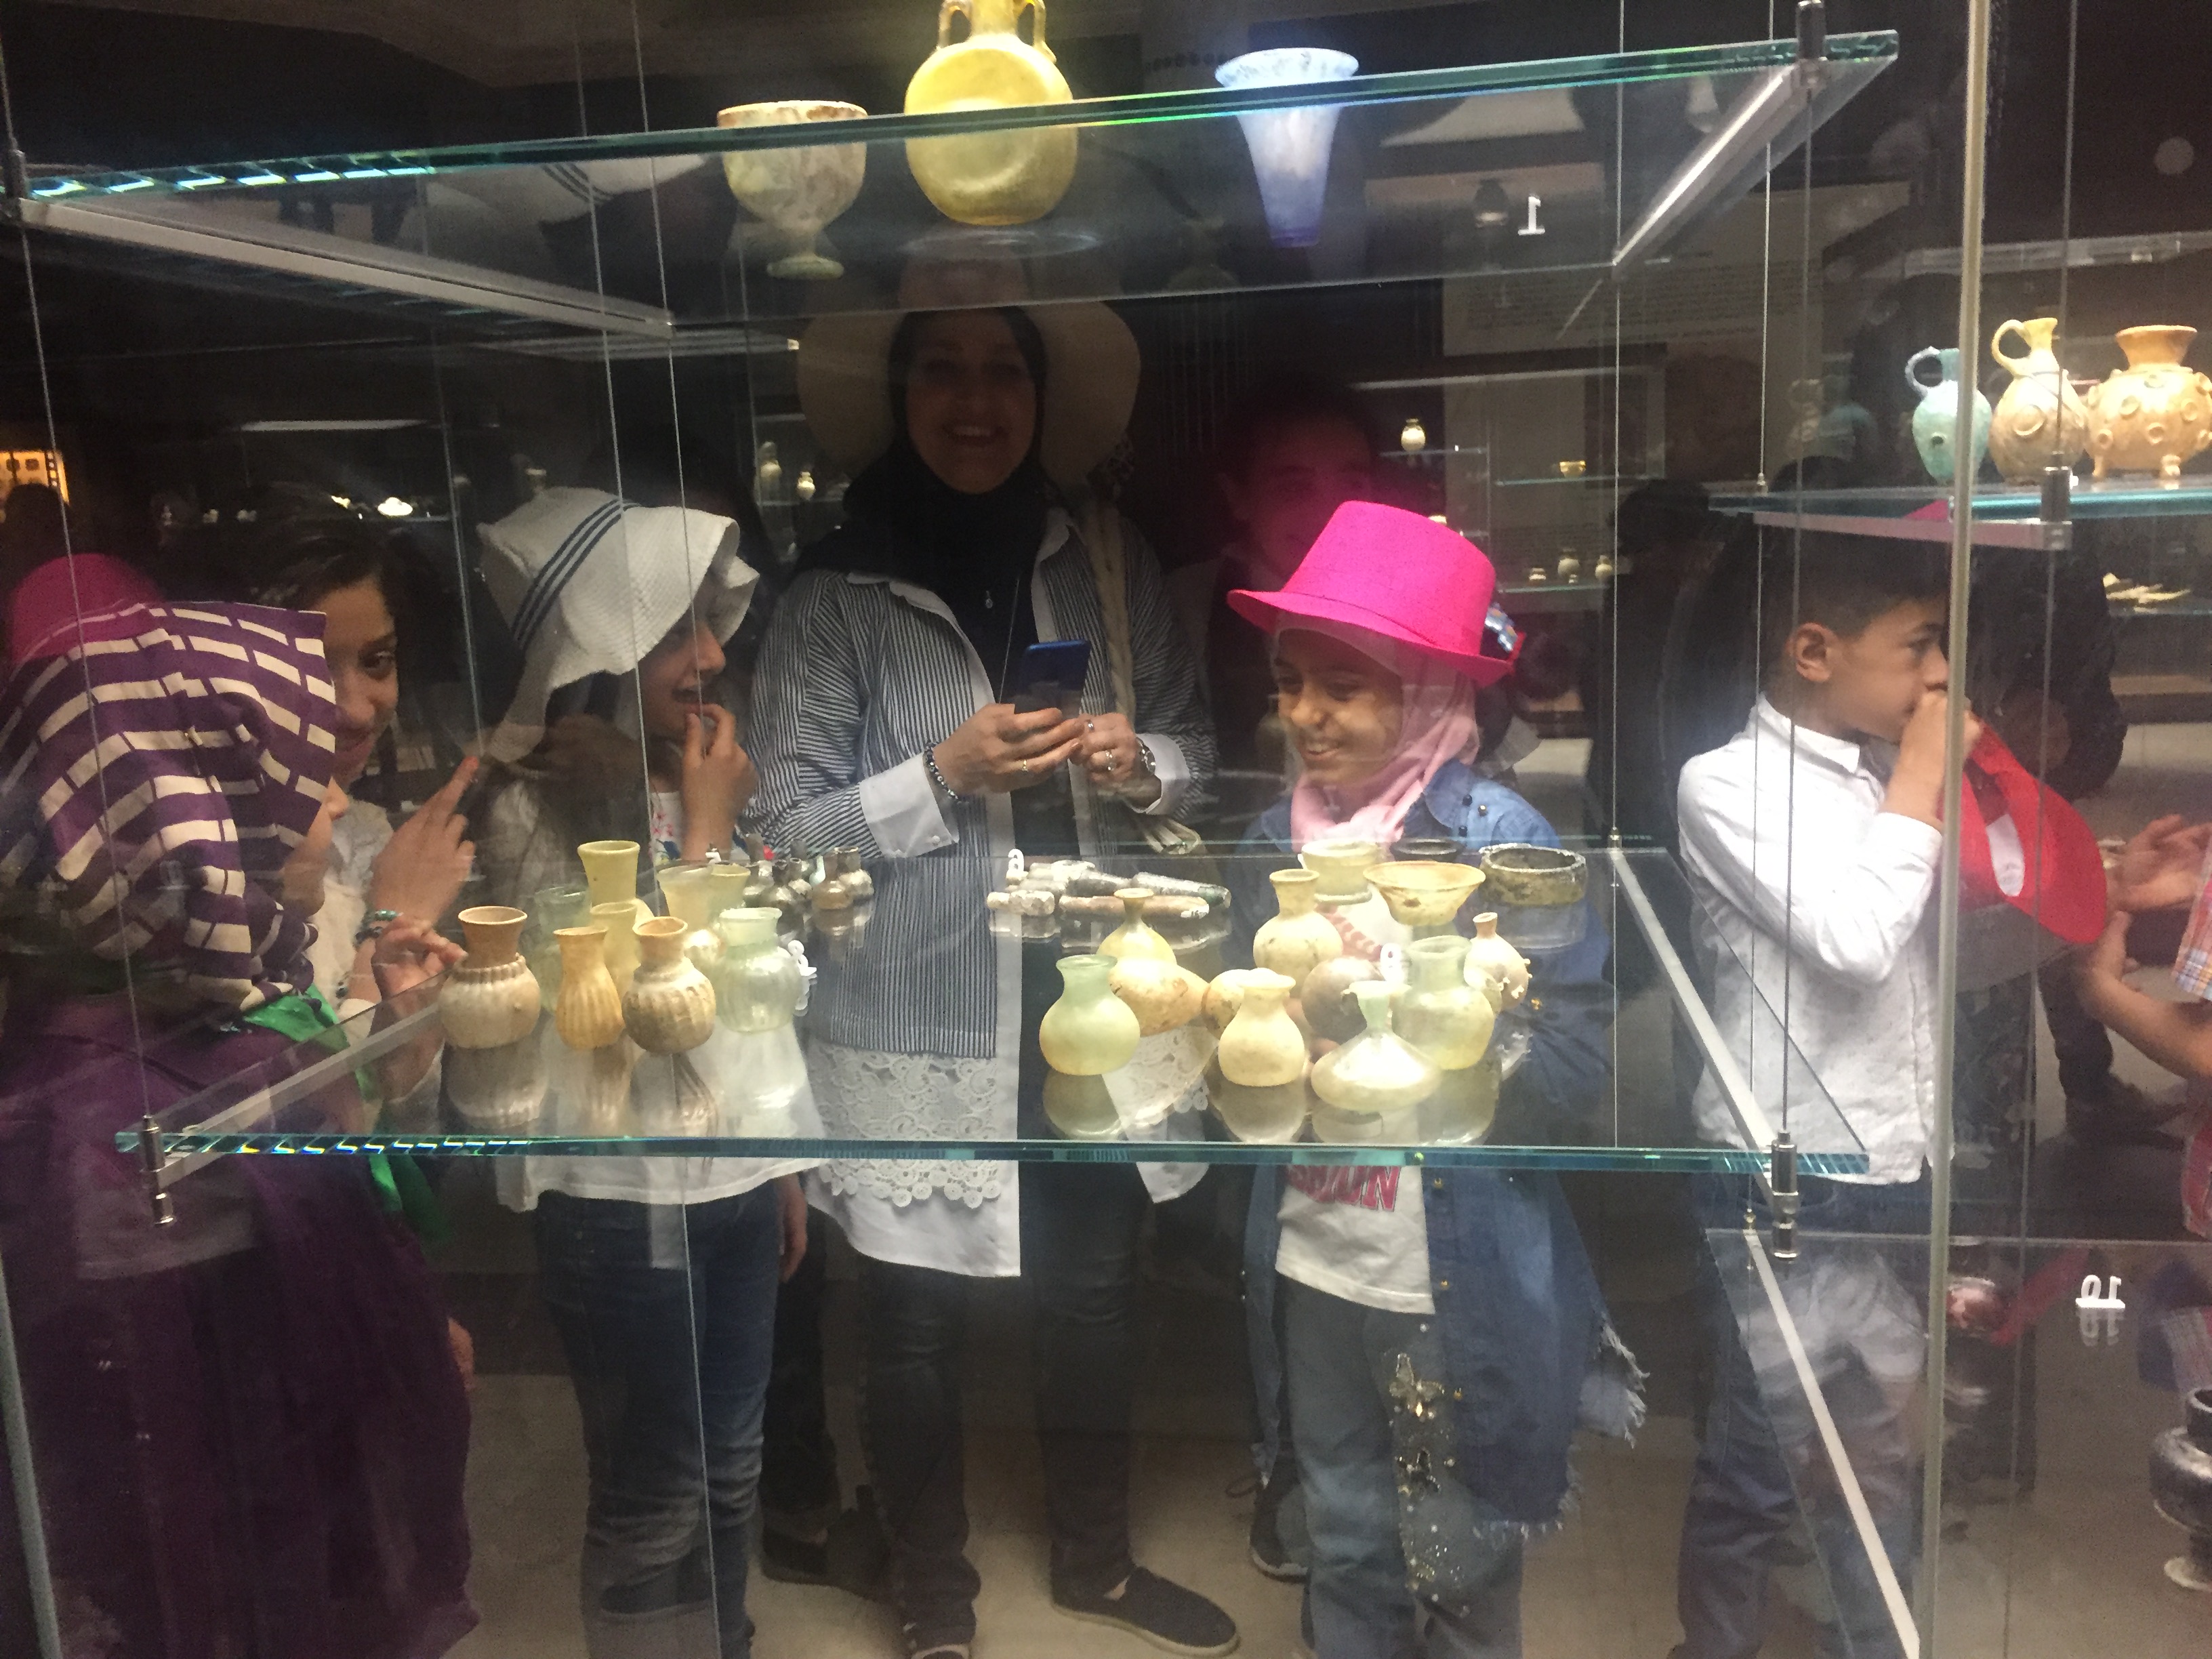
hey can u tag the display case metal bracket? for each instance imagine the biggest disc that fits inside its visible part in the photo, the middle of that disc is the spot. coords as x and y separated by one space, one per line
1986 533
309 255
160 1169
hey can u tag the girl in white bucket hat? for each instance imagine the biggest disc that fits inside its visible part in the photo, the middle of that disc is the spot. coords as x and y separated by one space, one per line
621 612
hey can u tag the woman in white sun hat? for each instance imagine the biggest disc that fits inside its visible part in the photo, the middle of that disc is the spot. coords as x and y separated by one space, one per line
885 719
660 1273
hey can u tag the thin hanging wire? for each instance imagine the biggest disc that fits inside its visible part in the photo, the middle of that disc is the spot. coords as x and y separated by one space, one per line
614 424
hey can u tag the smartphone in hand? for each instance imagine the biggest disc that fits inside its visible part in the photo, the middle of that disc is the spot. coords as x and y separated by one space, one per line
1050 675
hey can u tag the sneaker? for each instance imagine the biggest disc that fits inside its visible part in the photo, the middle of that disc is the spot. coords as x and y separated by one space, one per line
1278 1509
852 1555
1172 1618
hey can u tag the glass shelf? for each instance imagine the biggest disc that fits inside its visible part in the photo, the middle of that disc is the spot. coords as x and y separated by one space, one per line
1164 199
747 1095
2115 498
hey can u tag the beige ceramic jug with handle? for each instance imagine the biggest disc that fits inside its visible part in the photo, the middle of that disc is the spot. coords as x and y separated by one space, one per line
2041 421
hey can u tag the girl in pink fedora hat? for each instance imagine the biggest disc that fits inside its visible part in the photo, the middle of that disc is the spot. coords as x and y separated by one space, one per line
1470 1288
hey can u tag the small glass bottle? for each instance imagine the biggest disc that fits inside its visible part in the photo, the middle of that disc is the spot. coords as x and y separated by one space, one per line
1372 1085
1452 1022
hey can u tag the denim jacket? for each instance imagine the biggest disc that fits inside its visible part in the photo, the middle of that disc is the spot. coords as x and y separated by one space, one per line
1530 1354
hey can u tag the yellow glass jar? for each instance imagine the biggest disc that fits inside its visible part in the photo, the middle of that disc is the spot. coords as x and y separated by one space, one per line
1005 178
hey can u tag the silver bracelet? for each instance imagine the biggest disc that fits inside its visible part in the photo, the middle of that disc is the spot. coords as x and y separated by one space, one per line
929 760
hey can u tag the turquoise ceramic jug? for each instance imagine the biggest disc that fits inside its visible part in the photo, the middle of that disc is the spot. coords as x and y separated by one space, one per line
1935 423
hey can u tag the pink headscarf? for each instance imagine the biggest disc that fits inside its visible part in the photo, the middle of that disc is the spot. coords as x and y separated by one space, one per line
1439 727
45 611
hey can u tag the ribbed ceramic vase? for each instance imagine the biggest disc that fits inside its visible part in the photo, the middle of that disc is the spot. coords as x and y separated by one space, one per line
668 1008
490 998
1089 1031
588 1012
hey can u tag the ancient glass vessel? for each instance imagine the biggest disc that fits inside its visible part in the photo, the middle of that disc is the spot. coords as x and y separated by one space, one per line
1297 939
588 1012
668 1008
490 997
1006 178
1263 1047
1089 1031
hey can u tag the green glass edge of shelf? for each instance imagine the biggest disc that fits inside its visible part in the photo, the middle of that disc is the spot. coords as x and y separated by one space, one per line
1655 1160
1875 46
2117 498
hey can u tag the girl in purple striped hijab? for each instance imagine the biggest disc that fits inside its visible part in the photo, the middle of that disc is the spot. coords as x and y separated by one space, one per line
248 1428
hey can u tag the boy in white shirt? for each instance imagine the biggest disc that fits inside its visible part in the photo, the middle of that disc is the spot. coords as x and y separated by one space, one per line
1812 840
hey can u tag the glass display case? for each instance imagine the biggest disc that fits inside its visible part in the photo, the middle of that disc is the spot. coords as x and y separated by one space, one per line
1208 824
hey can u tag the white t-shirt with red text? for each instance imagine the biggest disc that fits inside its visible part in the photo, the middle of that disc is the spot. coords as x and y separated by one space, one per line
1356 1231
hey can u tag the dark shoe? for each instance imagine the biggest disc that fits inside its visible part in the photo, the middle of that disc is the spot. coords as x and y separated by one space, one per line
2119 1115
1278 1527
851 1555
1170 1617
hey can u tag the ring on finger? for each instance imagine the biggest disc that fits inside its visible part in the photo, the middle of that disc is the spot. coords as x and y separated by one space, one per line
1110 762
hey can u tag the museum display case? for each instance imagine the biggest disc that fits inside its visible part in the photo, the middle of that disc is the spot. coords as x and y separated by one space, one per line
865 908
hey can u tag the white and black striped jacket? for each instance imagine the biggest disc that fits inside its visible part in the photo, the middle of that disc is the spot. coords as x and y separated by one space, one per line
862 673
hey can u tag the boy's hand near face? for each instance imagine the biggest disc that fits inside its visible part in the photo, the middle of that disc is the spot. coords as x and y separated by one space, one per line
1916 784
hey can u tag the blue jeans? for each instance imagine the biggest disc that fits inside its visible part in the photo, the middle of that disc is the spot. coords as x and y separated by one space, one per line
1858 1323
1340 1357
666 1313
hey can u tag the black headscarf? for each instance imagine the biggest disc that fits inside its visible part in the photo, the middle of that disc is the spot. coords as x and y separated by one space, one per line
975 552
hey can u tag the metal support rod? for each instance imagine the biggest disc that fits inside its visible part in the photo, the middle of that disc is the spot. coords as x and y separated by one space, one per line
1975 115
30 1519
1750 1121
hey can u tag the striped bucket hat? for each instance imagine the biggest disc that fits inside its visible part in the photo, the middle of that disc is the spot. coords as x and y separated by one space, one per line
589 583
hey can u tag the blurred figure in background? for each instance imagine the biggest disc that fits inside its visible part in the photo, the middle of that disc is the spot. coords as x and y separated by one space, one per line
1295 449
